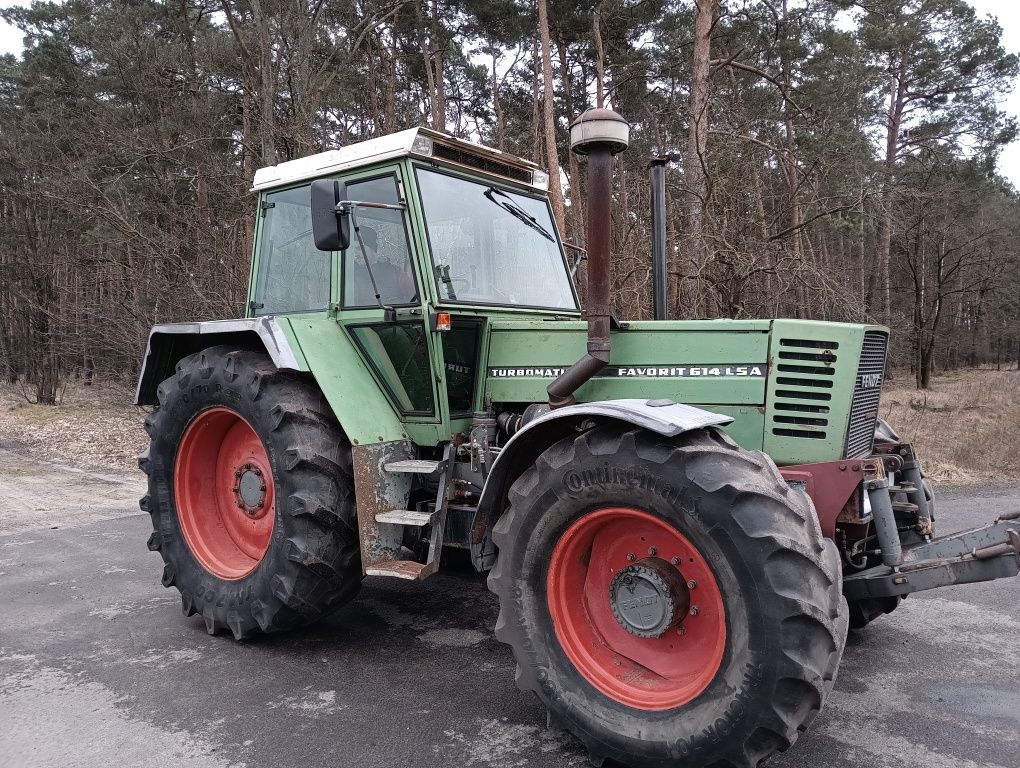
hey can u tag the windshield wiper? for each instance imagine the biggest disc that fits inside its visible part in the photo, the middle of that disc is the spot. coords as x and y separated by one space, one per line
517 212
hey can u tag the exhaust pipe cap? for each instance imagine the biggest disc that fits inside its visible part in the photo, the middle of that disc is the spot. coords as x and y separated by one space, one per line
599 129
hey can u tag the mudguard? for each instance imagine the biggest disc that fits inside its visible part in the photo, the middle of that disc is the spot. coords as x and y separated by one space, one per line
663 416
170 342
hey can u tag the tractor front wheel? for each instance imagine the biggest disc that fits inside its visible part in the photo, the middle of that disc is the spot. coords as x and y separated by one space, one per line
670 600
250 494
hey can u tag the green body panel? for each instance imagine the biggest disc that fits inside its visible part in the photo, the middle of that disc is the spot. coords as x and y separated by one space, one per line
348 384
639 353
732 367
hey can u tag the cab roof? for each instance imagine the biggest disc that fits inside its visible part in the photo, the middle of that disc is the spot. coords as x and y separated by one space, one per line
415 142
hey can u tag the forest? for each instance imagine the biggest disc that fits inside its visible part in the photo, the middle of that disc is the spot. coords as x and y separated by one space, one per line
830 159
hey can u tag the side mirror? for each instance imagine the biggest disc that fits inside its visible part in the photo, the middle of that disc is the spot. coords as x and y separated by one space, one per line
331 228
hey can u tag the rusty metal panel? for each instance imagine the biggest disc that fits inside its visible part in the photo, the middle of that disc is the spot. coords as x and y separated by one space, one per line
378 491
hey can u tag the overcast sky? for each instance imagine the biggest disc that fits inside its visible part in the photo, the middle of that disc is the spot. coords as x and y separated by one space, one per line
1007 11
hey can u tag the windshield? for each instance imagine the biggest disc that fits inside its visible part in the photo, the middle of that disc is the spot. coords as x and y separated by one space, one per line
492 246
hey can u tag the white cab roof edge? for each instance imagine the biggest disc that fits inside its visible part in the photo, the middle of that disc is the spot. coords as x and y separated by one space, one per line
371 151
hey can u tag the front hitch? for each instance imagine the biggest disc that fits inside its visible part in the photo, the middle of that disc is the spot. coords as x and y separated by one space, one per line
981 554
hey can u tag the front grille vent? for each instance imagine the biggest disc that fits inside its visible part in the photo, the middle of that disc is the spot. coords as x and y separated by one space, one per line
486 164
805 372
860 434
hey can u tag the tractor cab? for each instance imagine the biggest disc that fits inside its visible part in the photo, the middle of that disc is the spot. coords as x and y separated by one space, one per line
438 235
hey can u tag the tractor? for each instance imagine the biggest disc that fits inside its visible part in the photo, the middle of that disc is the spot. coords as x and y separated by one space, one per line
680 519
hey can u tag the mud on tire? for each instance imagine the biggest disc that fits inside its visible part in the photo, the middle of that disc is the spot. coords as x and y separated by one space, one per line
780 582
311 565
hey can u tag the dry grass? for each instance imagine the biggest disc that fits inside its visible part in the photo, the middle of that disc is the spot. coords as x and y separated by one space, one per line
966 429
94 426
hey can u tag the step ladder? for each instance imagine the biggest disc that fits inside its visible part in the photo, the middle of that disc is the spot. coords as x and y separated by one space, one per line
412 570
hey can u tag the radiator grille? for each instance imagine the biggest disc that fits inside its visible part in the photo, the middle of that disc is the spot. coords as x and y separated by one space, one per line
486 164
805 372
860 435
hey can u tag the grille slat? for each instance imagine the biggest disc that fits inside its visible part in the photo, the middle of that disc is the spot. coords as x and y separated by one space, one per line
487 164
860 435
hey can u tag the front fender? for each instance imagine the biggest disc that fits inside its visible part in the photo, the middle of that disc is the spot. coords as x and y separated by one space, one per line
663 416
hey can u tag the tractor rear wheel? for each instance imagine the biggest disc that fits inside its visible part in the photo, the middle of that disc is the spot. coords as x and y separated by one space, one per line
250 494
670 600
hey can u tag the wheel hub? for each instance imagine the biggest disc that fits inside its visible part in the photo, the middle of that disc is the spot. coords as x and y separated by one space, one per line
250 489
649 597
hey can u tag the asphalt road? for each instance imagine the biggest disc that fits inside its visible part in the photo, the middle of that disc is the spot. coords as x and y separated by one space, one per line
99 668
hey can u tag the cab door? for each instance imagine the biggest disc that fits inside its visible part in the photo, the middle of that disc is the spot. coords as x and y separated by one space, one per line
380 261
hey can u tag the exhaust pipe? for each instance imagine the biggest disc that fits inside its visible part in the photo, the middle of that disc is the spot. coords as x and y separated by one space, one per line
600 134
657 172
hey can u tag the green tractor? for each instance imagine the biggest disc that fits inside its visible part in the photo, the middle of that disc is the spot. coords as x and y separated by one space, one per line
679 519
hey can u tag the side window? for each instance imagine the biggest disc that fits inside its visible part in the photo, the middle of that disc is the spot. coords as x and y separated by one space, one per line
399 353
460 355
293 275
386 250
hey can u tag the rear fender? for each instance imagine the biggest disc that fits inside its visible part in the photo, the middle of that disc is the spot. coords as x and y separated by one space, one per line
171 342
662 416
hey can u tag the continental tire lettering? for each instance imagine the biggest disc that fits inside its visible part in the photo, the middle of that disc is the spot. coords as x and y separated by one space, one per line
610 476
726 723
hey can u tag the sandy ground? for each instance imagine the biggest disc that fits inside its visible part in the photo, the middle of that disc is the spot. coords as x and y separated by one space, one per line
91 427
99 668
38 493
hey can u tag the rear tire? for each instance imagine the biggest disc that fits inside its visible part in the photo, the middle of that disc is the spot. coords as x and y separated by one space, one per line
777 611
249 560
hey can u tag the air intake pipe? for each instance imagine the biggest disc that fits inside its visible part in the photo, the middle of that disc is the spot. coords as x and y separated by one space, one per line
600 134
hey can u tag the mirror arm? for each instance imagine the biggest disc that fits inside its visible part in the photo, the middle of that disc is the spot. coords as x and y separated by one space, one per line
349 205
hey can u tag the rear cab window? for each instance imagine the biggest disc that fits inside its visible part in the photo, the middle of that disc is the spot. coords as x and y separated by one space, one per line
293 275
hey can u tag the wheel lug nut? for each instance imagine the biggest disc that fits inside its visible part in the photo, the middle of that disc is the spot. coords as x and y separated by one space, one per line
652 551
632 557
694 610
675 560
681 630
692 584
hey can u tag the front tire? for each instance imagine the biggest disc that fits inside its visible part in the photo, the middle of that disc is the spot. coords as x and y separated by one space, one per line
250 495
724 665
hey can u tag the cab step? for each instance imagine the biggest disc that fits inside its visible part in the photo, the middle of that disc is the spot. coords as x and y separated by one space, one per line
406 517
409 570
413 466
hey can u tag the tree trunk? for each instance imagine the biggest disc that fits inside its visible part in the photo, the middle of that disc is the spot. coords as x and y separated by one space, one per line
897 102
693 300
549 121
438 58
600 58
574 175
497 105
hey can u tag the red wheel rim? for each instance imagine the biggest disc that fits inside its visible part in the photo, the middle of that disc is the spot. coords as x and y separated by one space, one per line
223 487
648 673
